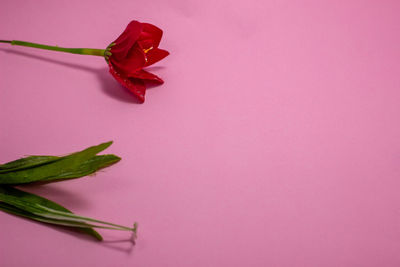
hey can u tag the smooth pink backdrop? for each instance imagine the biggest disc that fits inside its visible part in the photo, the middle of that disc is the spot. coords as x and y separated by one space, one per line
273 142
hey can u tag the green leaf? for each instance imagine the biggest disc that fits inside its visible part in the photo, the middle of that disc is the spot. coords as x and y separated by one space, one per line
25 200
19 212
27 162
74 165
86 168
28 205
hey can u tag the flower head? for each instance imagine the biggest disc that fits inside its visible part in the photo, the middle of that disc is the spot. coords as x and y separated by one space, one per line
135 49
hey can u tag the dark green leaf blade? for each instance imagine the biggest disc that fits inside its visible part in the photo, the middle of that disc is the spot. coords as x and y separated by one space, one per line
75 159
10 196
88 167
63 168
27 162
21 213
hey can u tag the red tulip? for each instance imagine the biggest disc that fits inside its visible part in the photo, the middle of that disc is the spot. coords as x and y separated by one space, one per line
135 49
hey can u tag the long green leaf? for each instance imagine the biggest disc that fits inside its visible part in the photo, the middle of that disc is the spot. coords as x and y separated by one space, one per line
19 212
27 162
72 166
10 196
86 168
25 204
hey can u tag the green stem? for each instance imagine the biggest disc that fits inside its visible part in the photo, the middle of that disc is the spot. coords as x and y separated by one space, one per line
82 218
81 51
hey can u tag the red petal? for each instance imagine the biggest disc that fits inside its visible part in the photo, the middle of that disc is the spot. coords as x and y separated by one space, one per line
136 86
134 61
127 39
150 36
155 55
144 75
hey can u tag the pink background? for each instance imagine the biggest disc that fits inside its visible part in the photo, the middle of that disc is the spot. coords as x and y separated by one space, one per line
273 142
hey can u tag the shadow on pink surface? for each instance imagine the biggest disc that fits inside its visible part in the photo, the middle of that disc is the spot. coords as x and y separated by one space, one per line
109 86
121 245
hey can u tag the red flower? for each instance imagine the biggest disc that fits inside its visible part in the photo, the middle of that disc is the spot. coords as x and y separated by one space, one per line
134 49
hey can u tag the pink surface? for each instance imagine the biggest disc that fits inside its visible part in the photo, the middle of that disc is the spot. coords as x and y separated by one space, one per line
273 142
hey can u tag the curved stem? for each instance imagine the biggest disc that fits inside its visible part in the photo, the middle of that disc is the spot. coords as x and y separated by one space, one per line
81 51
